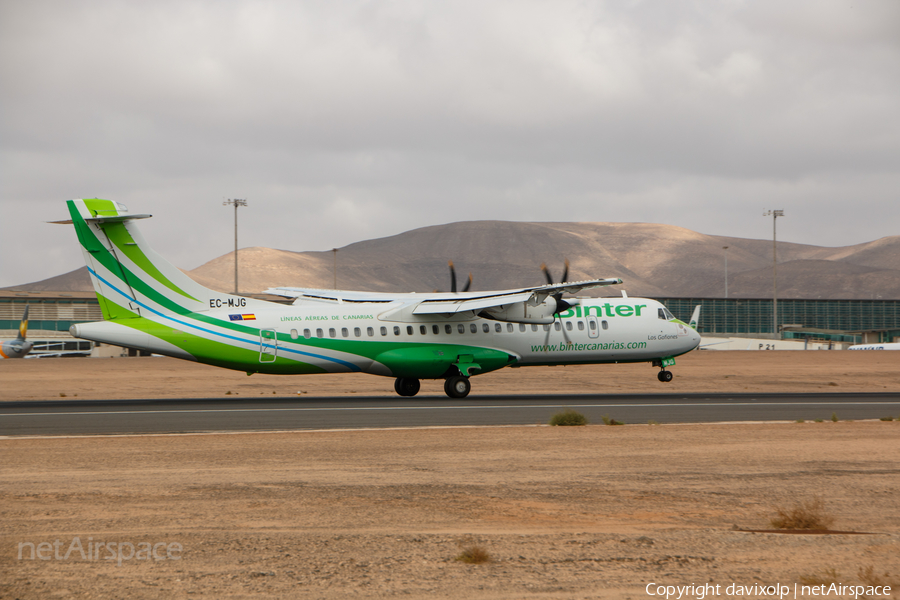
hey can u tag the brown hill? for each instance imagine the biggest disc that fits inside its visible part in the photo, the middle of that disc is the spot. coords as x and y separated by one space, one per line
653 260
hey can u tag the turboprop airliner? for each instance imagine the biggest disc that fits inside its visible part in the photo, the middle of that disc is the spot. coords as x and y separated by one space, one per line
885 346
18 347
149 304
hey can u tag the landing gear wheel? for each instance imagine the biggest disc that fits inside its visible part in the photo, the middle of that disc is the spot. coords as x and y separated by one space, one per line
665 376
457 387
406 386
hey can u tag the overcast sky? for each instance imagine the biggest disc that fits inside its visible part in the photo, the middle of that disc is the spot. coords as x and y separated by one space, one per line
344 121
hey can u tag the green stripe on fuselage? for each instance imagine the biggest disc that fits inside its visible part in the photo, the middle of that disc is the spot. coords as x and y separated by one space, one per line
119 236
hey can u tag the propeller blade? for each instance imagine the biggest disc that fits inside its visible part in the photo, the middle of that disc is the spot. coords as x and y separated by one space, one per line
547 273
468 284
565 276
452 277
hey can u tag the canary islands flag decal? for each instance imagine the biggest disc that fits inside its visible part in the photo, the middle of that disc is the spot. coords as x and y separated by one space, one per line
242 317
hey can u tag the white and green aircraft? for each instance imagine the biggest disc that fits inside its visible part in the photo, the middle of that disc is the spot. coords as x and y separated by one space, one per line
18 347
149 304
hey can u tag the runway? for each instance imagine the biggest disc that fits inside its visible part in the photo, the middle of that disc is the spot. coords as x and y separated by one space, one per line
109 417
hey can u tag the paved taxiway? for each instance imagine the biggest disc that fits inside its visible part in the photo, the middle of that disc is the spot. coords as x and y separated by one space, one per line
86 417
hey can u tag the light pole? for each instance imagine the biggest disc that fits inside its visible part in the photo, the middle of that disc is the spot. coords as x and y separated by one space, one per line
774 214
725 248
725 327
236 202
334 266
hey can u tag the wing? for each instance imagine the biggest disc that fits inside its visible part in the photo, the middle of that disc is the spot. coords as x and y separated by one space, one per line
534 295
446 303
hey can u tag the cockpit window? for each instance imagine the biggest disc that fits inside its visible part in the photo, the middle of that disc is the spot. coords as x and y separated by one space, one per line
664 314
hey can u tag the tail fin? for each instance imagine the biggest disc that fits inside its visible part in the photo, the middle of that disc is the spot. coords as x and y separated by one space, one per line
695 318
23 326
129 277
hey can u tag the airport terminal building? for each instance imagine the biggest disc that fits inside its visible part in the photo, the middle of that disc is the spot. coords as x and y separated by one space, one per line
841 322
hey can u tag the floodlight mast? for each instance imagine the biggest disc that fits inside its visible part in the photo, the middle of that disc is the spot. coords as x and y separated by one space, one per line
774 214
235 202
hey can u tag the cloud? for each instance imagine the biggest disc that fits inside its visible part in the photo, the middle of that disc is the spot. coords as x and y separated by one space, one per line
346 120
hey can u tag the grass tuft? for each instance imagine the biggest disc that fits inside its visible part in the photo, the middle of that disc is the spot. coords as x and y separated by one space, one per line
652 422
887 418
818 420
799 421
809 514
568 417
474 555
834 417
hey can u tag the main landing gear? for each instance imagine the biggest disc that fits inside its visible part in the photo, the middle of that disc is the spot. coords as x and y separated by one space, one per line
407 386
665 376
455 387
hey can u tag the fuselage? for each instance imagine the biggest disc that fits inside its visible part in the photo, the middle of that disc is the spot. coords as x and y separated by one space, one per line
316 336
885 346
15 349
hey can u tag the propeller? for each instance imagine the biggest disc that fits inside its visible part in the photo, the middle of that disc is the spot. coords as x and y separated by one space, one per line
453 280
561 305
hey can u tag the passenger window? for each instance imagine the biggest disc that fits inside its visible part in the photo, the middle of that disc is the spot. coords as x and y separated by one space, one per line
509 327
569 325
522 327
370 332
409 330
357 332
332 332
435 329
473 328
557 326
423 330
534 327
461 328
294 334
345 332
383 331
319 333
593 325
580 325
448 328
485 328
396 330
497 327
307 334
604 324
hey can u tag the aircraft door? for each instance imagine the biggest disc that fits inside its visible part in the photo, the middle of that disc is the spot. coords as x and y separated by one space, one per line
593 327
268 345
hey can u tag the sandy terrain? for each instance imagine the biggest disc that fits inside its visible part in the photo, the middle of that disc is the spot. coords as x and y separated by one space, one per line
731 372
590 512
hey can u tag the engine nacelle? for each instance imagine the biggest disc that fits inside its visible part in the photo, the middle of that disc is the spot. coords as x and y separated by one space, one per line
525 312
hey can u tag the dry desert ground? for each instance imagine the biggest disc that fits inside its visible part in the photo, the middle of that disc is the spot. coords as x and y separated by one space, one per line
703 372
563 512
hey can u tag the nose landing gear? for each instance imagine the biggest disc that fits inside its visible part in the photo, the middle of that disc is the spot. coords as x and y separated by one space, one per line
662 363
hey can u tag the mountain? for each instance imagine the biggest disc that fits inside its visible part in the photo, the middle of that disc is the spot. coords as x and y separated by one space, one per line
653 260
